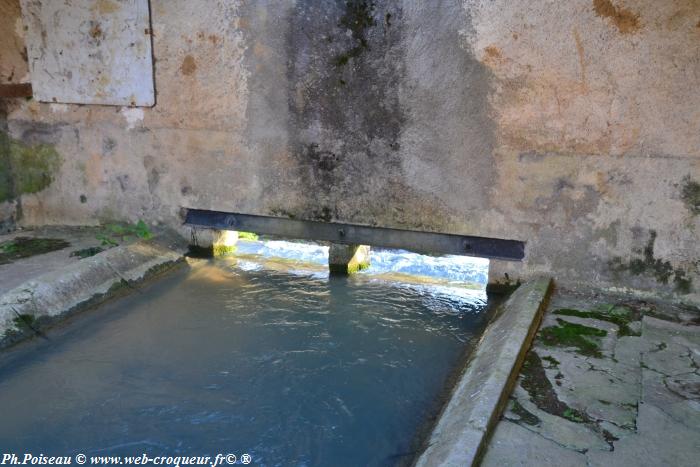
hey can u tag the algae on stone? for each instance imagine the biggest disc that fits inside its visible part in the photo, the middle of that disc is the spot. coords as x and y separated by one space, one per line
247 235
23 247
114 233
534 380
87 252
618 315
573 335
25 168
525 416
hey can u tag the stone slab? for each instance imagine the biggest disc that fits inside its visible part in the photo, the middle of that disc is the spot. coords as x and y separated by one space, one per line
462 430
515 445
58 293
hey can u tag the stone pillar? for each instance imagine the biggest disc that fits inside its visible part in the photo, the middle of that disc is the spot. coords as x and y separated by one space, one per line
206 243
347 259
504 276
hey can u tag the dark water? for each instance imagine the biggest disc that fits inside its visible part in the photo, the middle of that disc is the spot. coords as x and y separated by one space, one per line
292 369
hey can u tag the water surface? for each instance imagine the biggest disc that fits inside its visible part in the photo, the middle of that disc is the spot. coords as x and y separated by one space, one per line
222 357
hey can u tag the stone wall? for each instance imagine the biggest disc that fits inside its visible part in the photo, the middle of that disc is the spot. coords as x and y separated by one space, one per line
571 125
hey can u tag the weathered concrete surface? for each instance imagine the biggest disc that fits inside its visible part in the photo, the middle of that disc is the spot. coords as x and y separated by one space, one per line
348 259
45 298
570 125
462 430
513 445
630 399
14 273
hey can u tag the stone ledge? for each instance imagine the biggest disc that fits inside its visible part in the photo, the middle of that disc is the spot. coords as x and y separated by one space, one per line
55 295
461 433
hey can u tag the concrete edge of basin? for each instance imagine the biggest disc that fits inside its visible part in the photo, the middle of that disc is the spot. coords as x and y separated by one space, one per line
54 296
461 433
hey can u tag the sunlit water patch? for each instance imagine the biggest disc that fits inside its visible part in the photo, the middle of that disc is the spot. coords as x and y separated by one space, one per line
397 265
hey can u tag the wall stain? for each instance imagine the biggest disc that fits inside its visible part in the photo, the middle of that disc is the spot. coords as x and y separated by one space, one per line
625 20
107 6
690 194
343 119
29 168
650 266
358 17
189 66
108 145
493 51
492 56
96 31
123 182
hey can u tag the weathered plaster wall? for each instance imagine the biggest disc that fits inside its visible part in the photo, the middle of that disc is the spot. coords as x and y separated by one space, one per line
572 125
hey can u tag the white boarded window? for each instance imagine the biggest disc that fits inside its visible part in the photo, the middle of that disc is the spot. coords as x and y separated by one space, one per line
90 51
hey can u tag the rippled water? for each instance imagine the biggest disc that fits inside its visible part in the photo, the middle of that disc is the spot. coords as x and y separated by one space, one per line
448 267
222 357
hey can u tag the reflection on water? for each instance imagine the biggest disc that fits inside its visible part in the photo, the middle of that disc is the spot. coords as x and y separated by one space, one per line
226 356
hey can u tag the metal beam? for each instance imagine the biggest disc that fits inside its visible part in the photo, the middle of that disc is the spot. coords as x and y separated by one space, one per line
16 90
420 242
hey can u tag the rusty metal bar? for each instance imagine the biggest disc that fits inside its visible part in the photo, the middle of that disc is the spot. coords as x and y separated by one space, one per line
420 242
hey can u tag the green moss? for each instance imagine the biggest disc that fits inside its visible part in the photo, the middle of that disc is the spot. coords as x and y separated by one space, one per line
113 234
24 247
247 235
34 167
87 252
690 194
25 322
24 325
573 415
351 268
344 270
356 267
618 315
223 250
573 335
25 168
